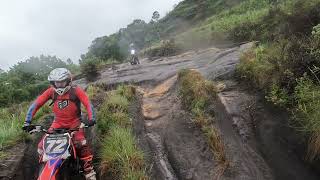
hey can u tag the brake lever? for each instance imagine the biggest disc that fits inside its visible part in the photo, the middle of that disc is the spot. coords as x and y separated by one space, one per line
82 125
35 130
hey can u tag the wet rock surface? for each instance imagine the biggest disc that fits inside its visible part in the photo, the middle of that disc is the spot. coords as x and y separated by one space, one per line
263 132
180 150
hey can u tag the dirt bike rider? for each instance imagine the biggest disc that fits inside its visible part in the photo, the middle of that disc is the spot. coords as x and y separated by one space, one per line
133 57
67 113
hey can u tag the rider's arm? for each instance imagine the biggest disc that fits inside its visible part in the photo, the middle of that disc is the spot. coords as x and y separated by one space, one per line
43 98
86 102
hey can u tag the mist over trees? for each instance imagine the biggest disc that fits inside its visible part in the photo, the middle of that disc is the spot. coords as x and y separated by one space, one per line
26 79
116 46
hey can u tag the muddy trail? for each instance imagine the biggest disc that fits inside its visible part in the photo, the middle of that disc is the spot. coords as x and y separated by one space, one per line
259 142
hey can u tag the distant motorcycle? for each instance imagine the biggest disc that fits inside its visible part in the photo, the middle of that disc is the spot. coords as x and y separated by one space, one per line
58 153
134 60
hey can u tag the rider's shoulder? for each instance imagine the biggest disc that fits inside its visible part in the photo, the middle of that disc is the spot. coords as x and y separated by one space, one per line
76 88
50 89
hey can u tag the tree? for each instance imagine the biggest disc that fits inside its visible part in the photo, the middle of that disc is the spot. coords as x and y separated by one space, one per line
69 61
154 22
155 16
89 68
26 79
36 68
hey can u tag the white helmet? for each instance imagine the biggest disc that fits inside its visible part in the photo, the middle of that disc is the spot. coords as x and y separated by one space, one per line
60 74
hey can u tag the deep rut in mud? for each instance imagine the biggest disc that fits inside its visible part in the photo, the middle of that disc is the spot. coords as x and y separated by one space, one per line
264 131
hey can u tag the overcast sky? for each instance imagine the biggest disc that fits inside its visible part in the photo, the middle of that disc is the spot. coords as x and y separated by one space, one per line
65 28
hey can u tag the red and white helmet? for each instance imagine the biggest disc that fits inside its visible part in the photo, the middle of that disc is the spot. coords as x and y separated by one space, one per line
60 75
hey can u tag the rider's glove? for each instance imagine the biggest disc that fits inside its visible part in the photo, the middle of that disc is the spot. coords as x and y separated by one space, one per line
89 122
26 127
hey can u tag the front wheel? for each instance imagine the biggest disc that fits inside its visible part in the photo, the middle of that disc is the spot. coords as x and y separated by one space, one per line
41 167
136 60
71 170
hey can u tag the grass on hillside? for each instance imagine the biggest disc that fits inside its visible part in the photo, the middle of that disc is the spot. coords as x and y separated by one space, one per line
196 94
120 157
11 121
218 26
285 64
286 68
287 83
252 20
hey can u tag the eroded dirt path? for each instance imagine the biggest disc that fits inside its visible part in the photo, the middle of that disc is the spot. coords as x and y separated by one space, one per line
179 148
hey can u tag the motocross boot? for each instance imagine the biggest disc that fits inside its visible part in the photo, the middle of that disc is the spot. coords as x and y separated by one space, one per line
89 172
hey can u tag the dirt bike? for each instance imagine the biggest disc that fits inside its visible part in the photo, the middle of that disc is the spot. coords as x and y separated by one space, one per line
134 60
59 154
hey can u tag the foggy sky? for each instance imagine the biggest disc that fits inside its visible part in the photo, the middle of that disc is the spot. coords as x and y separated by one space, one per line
65 28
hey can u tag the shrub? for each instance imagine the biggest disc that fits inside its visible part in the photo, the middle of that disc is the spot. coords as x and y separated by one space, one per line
278 96
89 67
257 64
165 48
196 91
307 114
307 96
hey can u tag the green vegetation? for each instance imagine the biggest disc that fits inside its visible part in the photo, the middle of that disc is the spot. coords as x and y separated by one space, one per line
165 48
11 121
186 15
285 64
116 46
26 80
120 157
196 94
89 68
220 26
148 35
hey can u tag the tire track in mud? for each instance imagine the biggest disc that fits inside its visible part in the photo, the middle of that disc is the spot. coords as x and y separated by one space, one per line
153 120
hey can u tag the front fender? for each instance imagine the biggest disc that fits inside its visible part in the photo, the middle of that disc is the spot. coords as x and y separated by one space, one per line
50 169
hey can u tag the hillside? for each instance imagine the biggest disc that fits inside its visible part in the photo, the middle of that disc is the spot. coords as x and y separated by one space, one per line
225 90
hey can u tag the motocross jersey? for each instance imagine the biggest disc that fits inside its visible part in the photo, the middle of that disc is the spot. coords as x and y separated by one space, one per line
67 111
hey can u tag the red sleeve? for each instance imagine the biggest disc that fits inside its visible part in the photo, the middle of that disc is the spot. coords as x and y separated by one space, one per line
43 98
81 94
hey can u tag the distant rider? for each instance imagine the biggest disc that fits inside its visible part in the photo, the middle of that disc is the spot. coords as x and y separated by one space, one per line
67 100
134 58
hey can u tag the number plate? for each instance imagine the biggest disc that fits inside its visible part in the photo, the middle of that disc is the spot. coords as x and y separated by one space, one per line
56 144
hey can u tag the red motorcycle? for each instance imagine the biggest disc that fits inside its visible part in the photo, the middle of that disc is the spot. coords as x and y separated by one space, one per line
58 155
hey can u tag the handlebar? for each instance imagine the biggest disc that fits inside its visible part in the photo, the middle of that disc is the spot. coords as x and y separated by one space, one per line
38 128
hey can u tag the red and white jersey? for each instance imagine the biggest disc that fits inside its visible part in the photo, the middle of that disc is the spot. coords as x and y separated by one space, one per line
67 111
